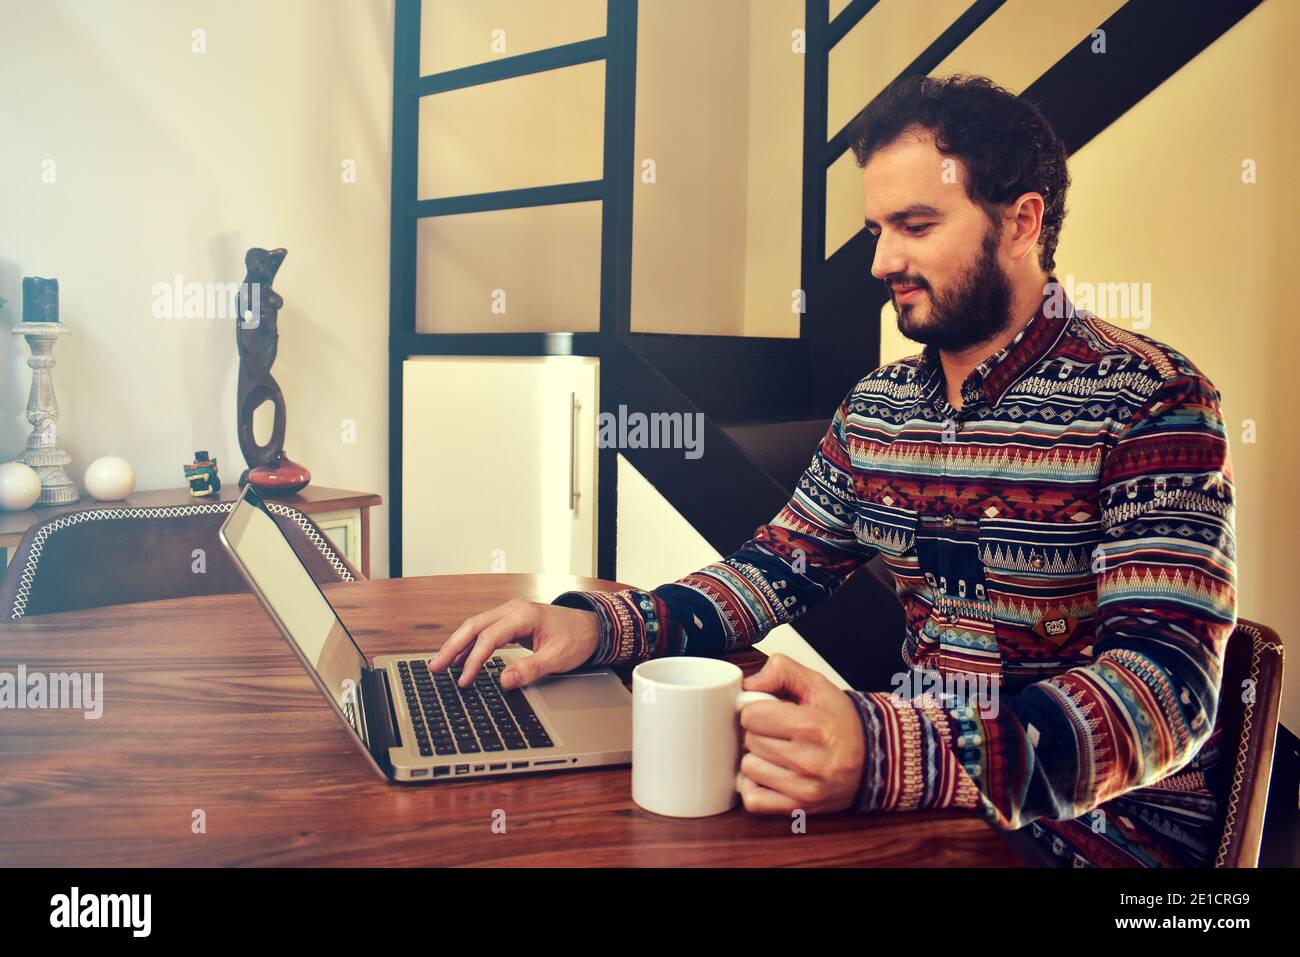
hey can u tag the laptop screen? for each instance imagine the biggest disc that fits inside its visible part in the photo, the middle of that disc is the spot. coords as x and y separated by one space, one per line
286 587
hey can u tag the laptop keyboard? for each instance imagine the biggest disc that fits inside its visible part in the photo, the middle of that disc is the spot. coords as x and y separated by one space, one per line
449 719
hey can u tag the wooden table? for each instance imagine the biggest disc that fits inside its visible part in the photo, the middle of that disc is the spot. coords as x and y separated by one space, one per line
206 709
342 514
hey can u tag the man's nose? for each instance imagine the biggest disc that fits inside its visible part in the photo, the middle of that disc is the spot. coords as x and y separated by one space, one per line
887 262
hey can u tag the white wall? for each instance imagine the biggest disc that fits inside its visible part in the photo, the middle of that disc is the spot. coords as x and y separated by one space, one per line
656 545
169 161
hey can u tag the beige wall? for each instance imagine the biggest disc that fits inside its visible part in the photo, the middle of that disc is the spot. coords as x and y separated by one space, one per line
529 270
716 219
716 239
171 162
774 181
688 248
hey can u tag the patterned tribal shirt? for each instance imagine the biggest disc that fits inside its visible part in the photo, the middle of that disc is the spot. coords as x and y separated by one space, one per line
1068 534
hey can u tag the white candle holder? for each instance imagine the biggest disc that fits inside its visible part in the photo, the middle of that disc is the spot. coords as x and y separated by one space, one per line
43 453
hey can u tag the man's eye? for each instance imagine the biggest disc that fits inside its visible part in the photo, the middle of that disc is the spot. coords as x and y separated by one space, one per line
918 230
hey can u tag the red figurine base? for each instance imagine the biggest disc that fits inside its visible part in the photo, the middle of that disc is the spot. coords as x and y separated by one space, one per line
281 477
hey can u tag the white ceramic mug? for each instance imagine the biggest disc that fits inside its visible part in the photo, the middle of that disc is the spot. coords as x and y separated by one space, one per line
686 735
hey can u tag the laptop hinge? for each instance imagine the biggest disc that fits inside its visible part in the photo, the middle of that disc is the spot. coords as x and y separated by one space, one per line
381 722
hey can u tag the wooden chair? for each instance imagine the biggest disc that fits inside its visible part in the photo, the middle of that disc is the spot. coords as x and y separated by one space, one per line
1252 663
110 556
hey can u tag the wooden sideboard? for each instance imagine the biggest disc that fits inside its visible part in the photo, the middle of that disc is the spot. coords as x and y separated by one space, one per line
341 514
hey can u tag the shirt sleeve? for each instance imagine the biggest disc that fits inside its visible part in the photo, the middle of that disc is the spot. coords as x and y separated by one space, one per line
1166 605
790 564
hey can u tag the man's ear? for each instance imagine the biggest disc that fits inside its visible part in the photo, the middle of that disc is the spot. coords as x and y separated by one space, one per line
1027 218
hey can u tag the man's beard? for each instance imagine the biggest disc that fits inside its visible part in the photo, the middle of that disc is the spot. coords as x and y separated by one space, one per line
975 311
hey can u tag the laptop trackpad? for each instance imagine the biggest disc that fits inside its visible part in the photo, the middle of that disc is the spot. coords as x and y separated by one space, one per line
567 692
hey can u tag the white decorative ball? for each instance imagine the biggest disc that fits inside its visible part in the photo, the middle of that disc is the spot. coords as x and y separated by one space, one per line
20 486
110 478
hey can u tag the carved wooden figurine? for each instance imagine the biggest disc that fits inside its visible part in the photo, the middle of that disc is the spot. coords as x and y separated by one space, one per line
257 338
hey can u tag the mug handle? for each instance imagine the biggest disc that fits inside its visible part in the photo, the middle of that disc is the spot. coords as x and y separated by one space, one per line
749 697
742 699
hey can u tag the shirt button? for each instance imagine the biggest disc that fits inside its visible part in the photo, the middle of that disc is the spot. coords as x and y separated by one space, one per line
947 521
1037 561
952 618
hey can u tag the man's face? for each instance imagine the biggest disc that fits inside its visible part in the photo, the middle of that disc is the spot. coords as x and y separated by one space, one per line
935 249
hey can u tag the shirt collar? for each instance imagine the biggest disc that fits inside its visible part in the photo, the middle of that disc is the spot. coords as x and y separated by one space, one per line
990 380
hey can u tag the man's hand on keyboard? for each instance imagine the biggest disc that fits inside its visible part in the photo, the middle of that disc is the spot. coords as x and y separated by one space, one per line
561 639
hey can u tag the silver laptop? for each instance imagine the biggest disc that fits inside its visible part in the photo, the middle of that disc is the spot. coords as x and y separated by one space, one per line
414 725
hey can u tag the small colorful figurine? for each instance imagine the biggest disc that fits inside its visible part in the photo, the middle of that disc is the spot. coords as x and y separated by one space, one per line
202 475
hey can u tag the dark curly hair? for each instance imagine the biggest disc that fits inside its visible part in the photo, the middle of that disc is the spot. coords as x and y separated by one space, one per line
1005 142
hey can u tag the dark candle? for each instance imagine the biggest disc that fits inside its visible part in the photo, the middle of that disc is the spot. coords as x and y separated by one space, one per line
40 299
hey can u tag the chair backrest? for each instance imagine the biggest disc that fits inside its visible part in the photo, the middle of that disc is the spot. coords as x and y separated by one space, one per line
94 557
1250 699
